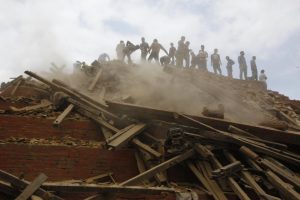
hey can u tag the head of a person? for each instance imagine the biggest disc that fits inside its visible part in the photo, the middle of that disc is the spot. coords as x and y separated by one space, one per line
227 57
155 40
202 47
254 57
215 50
187 43
143 39
262 71
122 42
182 38
242 53
171 44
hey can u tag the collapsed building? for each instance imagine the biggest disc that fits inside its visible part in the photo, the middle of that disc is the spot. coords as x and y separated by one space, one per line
146 132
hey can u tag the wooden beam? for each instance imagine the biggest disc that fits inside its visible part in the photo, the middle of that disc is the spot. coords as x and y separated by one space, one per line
250 180
63 115
122 139
32 187
82 187
76 95
148 113
21 184
285 188
146 147
160 167
93 84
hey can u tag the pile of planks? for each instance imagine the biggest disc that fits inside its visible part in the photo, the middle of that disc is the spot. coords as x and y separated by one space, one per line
251 162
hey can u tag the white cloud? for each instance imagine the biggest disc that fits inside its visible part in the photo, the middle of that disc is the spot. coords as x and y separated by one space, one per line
33 33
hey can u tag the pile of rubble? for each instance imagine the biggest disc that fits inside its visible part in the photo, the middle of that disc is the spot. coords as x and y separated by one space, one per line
241 144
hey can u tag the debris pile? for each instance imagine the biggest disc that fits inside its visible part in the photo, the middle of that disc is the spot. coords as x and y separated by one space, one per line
230 139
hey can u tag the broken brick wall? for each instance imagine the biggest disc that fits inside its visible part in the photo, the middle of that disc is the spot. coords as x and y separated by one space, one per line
64 163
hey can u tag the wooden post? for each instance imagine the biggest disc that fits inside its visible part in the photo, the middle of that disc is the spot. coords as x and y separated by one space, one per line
160 167
32 187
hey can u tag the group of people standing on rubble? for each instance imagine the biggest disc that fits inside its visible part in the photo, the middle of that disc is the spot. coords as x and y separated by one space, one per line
183 56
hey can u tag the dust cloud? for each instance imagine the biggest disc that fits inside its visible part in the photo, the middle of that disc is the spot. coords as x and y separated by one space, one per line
178 90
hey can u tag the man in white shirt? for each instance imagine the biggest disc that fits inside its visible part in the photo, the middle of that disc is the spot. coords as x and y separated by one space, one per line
263 78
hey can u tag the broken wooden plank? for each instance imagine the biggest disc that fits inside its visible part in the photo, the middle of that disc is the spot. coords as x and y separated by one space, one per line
106 133
147 113
146 147
63 115
32 187
286 156
250 180
159 177
96 79
285 188
97 119
76 95
206 169
44 103
82 187
241 132
21 184
160 167
122 139
207 154
227 170
291 178
202 179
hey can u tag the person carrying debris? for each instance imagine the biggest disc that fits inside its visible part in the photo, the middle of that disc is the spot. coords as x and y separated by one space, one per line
216 62
172 52
203 58
180 52
119 49
229 65
129 49
155 48
242 65
253 68
187 54
144 47
263 78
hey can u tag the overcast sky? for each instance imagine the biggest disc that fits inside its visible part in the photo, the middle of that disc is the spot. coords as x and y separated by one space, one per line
34 33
